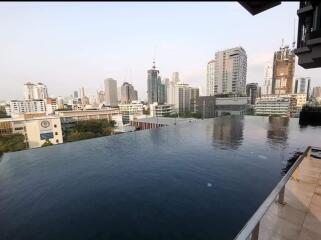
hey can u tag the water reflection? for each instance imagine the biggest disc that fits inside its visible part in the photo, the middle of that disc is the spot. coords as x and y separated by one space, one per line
277 131
290 162
228 132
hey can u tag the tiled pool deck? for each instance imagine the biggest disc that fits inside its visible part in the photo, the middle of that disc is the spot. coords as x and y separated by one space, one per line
300 217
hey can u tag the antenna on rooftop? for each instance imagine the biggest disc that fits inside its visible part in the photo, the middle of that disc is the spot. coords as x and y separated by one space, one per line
154 67
293 43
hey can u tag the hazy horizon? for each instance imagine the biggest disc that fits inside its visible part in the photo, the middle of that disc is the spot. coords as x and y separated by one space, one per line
72 45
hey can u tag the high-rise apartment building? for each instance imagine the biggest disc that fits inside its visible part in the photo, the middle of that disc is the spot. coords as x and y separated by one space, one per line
195 93
155 88
253 91
128 93
267 83
111 92
175 77
75 94
210 78
82 92
206 106
316 93
230 71
152 84
170 93
100 96
283 71
35 91
302 85
183 98
161 91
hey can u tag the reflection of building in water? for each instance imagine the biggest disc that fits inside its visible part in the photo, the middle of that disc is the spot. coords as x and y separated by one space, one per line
277 132
228 132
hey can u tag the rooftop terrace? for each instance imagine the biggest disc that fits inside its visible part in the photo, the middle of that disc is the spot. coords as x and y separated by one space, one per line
198 180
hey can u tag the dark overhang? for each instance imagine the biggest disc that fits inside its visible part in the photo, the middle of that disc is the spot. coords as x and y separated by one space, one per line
255 7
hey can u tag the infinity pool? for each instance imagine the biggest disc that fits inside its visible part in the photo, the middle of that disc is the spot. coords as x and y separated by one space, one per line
200 180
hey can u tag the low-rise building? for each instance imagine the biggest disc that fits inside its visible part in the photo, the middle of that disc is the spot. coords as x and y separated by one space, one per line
51 105
297 102
156 122
283 105
36 129
205 105
130 110
18 107
69 118
230 106
273 105
161 110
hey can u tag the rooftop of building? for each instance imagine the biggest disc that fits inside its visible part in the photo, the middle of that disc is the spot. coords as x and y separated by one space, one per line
23 118
166 120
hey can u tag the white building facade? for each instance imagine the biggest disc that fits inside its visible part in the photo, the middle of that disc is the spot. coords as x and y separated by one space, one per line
273 105
210 78
162 110
36 130
230 71
18 107
35 91
267 83
111 98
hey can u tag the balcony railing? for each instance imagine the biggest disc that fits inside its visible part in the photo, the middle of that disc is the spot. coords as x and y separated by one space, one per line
252 227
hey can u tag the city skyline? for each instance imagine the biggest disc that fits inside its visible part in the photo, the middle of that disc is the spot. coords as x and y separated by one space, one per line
69 50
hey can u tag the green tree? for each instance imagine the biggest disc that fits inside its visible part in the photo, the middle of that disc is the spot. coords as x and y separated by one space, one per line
11 143
90 129
46 143
3 113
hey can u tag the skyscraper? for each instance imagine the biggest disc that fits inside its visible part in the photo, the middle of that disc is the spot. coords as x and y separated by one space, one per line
170 93
75 94
128 93
40 91
267 84
35 91
302 85
253 92
100 96
210 78
230 71
82 93
161 95
316 93
183 98
195 93
28 91
111 92
175 77
155 88
283 71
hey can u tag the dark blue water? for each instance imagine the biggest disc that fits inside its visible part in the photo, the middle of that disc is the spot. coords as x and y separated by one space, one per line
201 180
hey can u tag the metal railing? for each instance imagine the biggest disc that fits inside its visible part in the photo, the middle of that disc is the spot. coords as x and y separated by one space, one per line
252 227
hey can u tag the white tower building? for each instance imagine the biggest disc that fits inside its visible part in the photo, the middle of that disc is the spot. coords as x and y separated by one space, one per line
230 71
111 92
210 78
267 84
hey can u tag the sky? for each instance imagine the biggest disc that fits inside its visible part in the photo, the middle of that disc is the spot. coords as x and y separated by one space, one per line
72 45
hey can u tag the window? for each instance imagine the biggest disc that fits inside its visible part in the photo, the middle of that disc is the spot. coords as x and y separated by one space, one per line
56 133
57 141
55 125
